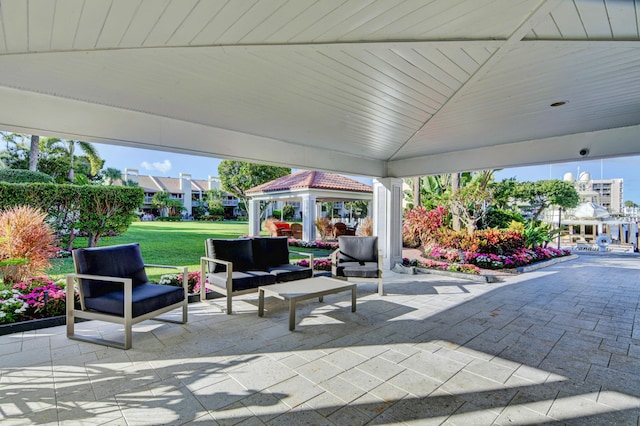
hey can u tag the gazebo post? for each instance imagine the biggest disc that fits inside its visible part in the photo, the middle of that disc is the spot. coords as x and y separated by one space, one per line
308 217
254 218
387 219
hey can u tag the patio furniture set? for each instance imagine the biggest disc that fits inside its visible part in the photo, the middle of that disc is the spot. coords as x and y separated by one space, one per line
113 285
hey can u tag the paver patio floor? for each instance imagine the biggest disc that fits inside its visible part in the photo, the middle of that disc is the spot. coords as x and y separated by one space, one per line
558 345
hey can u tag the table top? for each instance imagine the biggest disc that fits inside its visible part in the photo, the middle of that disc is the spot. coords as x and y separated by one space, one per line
309 286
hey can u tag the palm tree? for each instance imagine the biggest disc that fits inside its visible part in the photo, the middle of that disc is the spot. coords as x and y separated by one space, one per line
55 147
111 175
90 151
34 152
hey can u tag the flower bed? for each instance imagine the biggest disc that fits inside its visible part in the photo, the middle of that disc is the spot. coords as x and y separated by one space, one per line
33 298
444 266
319 264
322 245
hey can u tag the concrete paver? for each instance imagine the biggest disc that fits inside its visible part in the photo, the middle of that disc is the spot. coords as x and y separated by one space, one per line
559 345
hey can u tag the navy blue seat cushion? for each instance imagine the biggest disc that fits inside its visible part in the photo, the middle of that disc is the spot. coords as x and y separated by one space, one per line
146 298
270 251
239 252
124 261
242 280
357 249
357 270
288 272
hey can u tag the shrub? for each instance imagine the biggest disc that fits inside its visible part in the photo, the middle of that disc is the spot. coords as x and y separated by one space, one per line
498 218
366 230
24 234
24 176
324 227
421 226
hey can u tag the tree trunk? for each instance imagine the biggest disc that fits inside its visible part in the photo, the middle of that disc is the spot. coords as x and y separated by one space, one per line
455 213
71 176
34 152
416 192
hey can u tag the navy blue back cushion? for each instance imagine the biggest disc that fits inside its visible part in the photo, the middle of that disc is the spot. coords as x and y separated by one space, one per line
240 252
123 261
270 251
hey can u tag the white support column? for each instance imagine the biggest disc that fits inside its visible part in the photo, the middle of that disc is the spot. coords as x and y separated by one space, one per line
254 218
308 217
387 219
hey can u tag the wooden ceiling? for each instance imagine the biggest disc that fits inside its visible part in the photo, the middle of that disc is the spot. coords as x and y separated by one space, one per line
365 87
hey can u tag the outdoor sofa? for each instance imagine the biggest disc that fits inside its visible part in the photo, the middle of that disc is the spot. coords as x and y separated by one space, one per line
235 267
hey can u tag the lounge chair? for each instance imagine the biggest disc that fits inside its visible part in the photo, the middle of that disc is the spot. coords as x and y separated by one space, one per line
114 287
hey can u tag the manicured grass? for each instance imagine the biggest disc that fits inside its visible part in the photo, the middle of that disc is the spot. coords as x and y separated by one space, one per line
167 243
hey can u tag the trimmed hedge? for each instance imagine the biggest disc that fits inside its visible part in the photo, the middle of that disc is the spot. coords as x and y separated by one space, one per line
23 176
72 209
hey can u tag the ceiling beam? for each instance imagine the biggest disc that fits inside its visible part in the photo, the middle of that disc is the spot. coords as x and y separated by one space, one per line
35 113
618 142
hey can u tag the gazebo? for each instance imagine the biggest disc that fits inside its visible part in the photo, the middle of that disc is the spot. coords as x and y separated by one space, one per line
311 188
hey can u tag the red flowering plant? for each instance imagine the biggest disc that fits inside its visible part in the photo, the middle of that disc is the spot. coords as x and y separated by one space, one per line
421 226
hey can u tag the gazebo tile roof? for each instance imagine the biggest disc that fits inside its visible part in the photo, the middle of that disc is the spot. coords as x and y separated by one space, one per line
311 179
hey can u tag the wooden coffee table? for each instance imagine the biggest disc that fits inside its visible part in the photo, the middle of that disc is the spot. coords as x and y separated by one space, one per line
296 291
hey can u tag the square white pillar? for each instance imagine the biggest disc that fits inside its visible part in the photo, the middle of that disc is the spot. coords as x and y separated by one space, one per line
254 218
387 219
308 217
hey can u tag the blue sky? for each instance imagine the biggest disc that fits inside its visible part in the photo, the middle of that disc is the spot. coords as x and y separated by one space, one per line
170 164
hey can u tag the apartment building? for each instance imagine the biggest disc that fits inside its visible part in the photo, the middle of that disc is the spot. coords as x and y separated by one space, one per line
185 189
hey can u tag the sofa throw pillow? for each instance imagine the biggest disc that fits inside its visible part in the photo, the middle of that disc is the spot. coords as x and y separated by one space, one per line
270 251
239 252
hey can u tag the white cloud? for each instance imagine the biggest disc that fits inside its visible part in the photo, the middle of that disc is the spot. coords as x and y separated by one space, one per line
163 167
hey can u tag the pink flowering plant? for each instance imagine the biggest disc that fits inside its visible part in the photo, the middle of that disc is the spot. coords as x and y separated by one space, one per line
319 264
193 281
322 245
33 298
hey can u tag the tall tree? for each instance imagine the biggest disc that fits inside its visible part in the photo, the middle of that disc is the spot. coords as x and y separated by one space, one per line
236 177
416 191
455 214
473 198
544 193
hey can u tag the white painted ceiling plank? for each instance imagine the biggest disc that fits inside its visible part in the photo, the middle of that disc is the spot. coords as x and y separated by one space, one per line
117 22
567 19
198 18
40 24
374 28
15 20
144 20
624 25
65 24
224 20
250 19
172 17
594 17
94 14
325 28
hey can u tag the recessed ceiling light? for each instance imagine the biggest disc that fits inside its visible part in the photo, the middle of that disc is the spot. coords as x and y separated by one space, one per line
560 103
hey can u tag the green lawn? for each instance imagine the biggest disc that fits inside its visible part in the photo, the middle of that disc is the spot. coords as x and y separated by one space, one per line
168 243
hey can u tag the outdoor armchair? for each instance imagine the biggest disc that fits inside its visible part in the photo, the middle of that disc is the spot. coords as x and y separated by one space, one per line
113 287
358 259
